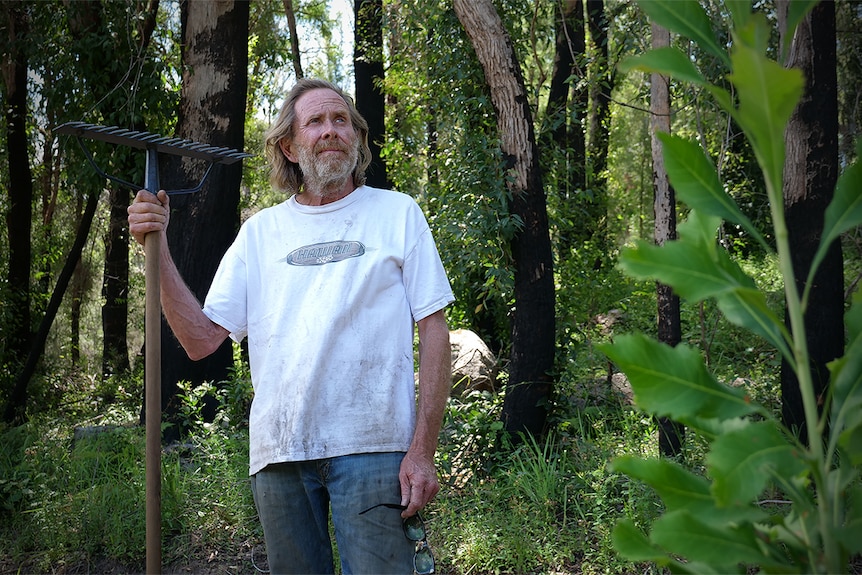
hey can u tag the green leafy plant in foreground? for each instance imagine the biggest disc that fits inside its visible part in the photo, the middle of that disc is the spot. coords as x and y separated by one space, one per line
714 524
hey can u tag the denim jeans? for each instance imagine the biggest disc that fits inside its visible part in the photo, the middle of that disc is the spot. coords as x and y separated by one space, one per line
294 501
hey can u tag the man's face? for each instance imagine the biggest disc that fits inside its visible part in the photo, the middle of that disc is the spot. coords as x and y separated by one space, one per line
325 145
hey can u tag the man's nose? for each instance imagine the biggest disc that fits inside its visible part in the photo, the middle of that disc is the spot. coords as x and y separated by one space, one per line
328 129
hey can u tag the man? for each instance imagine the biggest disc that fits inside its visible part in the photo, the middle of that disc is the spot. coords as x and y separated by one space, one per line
327 287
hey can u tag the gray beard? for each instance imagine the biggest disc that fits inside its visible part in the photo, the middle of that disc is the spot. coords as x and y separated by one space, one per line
324 178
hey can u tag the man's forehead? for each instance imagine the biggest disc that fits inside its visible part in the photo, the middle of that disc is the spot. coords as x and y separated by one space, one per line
319 100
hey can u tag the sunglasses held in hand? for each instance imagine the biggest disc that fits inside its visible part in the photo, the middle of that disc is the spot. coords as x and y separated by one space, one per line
414 530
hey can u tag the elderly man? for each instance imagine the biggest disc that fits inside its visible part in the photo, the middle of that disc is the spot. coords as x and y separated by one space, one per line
327 287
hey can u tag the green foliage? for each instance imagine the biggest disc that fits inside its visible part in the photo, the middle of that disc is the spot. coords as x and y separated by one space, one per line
74 499
442 147
714 524
543 506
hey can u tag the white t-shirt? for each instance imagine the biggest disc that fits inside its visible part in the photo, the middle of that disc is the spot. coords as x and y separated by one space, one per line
327 296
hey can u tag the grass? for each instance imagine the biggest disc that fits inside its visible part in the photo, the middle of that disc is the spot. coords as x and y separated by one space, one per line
71 504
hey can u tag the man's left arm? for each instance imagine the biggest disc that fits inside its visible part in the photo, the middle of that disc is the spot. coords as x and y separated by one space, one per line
419 483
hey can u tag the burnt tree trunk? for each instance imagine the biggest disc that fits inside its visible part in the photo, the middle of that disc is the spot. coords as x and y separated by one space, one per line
810 175
204 224
530 382
368 77
20 203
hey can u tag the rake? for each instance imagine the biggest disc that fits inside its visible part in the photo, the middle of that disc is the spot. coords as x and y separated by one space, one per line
154 145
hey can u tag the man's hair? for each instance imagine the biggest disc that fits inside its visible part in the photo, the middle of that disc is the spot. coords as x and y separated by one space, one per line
285 175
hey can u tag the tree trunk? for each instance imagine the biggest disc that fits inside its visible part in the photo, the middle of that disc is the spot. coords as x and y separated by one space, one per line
810 174
115 284
368 78
19 214
669 328
204 224
294 39
565 127
533 322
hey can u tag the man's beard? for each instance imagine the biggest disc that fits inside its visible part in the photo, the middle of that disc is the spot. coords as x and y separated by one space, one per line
324 176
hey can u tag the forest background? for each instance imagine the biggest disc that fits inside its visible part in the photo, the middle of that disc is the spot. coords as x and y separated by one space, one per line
537 279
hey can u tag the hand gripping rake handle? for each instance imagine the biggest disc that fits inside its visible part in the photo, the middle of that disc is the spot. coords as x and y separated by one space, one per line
154 145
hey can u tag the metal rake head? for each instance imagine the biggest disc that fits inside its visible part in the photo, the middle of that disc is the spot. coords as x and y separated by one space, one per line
154 144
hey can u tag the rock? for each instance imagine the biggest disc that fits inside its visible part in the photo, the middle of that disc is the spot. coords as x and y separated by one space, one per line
474 366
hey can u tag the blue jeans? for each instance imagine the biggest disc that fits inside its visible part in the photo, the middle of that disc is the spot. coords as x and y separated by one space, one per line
294 501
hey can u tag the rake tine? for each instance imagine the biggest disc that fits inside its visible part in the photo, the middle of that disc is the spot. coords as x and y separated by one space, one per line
147 140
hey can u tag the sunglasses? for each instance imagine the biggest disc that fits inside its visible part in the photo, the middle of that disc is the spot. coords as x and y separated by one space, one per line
414 530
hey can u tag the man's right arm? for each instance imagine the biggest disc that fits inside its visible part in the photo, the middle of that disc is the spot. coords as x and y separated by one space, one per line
198 334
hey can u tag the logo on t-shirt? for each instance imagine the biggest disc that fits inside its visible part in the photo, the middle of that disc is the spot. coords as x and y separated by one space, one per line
325 253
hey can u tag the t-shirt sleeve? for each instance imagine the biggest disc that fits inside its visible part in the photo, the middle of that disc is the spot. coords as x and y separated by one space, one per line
226 303
428 288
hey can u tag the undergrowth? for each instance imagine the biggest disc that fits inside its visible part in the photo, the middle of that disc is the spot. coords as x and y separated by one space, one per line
68 502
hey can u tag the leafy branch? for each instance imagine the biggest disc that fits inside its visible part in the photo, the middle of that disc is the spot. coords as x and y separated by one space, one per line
714 524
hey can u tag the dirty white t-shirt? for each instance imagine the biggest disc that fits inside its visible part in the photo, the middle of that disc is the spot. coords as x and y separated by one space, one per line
327 296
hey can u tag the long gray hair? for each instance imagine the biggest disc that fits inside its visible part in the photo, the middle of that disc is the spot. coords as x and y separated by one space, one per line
285 175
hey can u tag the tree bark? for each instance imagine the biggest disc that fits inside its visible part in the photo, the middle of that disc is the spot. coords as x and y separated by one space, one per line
204 224
669 323
810 175
368 78
19 214
533 323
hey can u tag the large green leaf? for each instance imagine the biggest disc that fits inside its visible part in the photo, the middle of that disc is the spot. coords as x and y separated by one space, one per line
850 534
744 461
768 94
682 489
696 183
691 271
674 382
747 307
688 18
693 265
846 385
724 548
632 544
844 211
740 10
668 61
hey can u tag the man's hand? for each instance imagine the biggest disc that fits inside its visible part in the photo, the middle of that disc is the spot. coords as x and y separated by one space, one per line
148 213
419 483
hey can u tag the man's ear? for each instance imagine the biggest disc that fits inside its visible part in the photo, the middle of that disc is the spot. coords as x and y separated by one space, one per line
287 150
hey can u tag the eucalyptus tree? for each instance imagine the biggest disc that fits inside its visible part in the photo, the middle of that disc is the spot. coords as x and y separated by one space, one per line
564 117
204 224
533 319
668 308
810 172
